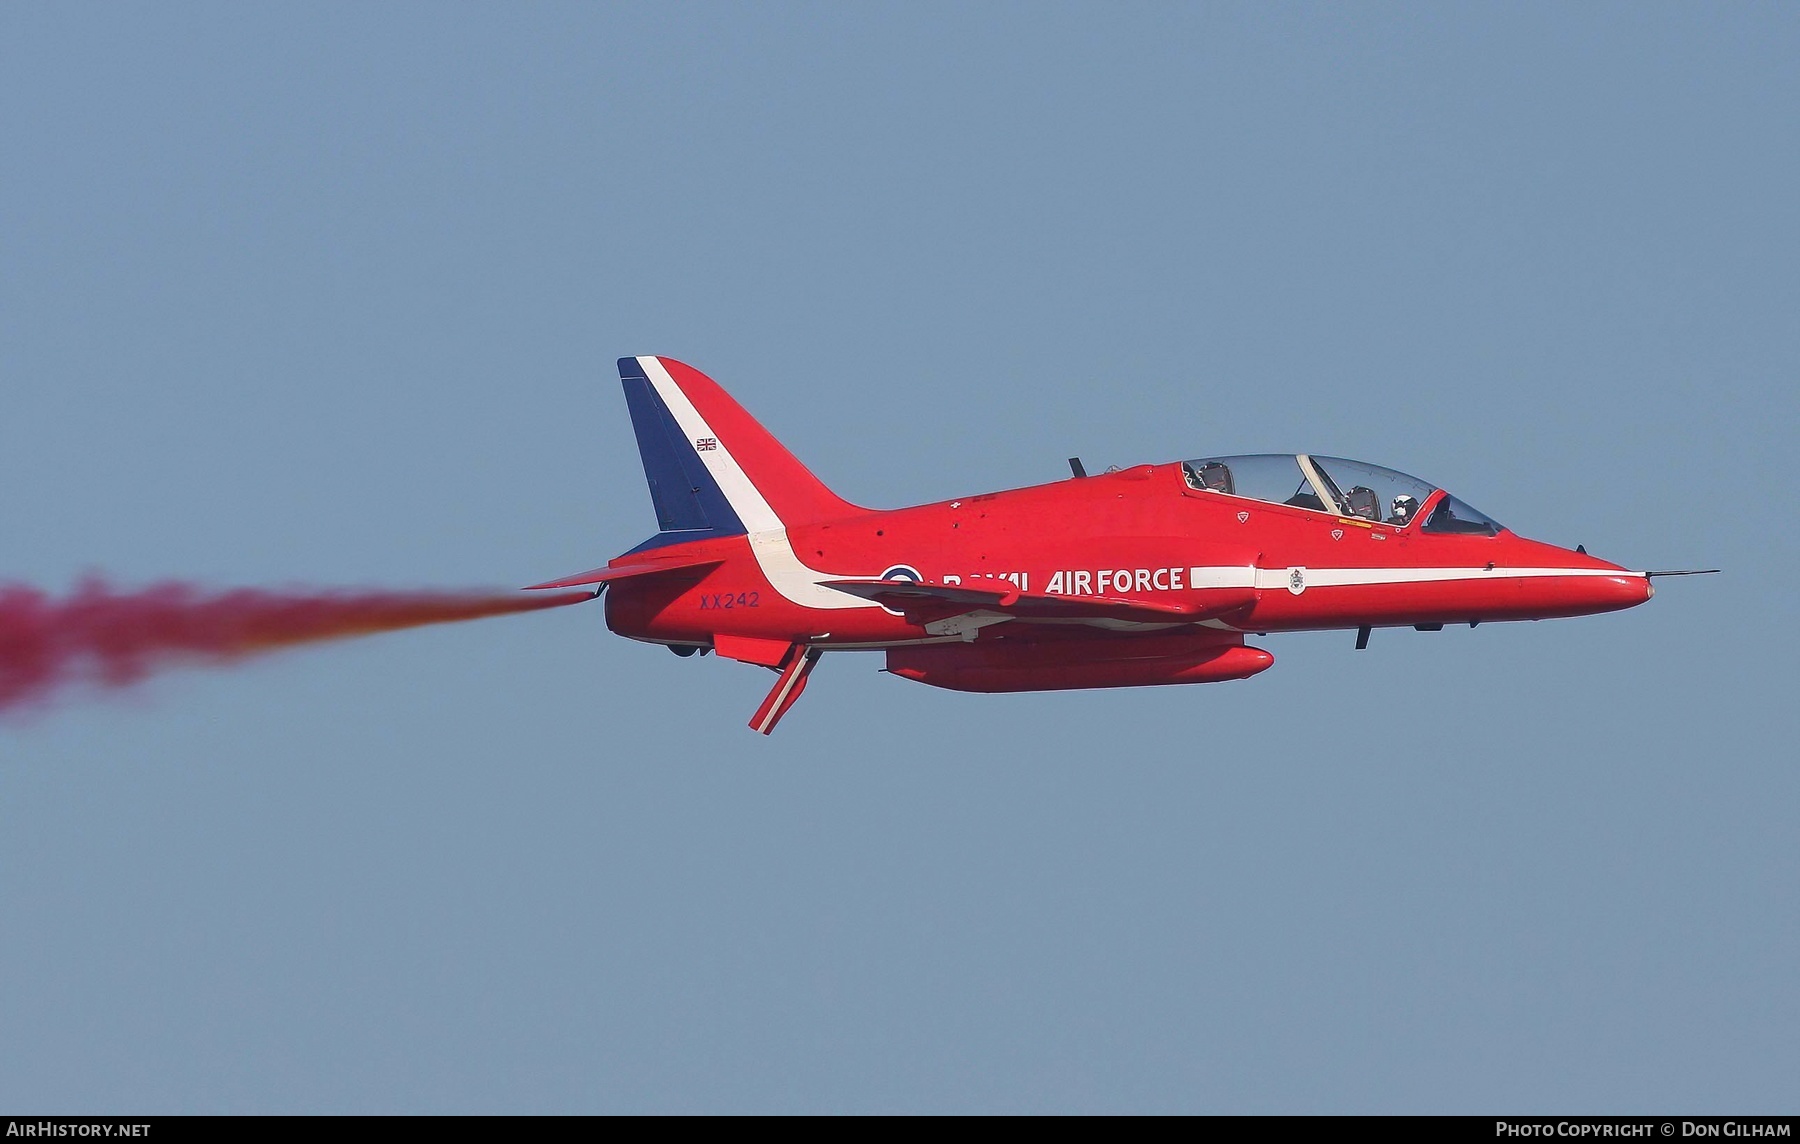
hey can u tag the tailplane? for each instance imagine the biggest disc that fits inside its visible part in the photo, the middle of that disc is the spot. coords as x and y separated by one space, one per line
713 470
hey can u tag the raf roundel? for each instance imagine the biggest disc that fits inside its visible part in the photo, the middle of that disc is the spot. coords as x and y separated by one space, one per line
903 572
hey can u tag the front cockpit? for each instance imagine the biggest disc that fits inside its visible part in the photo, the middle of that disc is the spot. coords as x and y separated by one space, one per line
1340 487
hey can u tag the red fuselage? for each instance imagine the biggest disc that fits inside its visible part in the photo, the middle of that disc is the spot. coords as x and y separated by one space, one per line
1137 534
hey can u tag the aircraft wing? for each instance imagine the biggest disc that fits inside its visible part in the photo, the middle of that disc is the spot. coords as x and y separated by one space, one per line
916 600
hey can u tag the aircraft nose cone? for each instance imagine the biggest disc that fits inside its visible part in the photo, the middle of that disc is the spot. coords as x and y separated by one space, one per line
1613 593
1605 586
1631 589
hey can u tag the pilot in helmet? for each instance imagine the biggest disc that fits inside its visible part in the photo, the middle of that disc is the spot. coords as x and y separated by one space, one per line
1404 508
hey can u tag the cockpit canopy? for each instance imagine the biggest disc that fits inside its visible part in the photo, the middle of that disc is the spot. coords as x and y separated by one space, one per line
1337 486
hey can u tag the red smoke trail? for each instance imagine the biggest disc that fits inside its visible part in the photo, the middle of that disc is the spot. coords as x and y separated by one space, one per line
110 638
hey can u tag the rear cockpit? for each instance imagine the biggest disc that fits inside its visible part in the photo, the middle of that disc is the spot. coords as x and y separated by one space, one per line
1337 486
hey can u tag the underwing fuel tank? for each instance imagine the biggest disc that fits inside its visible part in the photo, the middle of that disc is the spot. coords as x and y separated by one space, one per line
1067 665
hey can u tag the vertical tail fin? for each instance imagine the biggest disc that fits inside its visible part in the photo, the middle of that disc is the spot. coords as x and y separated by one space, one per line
713 470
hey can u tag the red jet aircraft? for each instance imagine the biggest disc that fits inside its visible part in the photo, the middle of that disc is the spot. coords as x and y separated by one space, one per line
1146 575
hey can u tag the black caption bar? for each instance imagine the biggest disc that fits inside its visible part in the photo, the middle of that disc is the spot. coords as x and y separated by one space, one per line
1498 1128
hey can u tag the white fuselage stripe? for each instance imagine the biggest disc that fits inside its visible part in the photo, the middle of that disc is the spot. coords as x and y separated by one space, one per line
1224 576
1361 577
1245 576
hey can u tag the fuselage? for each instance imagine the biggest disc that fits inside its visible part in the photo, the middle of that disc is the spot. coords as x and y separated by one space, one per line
1148 576
1143 534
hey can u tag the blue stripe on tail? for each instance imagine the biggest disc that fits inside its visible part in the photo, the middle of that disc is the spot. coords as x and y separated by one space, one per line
689 503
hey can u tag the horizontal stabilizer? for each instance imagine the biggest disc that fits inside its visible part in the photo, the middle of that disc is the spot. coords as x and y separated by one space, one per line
906 596
626 571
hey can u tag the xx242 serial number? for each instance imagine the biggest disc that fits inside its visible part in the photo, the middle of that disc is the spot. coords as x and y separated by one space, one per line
725 600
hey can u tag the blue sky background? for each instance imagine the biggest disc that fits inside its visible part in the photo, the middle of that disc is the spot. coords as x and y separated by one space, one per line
328 294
